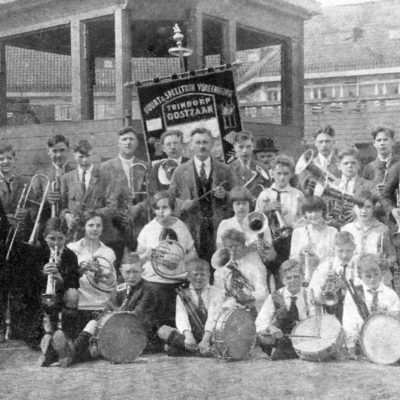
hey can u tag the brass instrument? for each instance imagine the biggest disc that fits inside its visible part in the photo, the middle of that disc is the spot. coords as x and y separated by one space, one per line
55 207
49 297
100 273
167 260
144 189
22 202
259 181
306 162
282 231
330 294
236 282
191 310
166 169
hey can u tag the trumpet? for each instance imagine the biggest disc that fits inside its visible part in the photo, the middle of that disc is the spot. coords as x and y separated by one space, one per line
306 162
236 282
22 203
49 297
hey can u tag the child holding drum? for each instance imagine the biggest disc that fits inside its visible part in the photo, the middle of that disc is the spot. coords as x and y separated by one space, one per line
282 310
370 297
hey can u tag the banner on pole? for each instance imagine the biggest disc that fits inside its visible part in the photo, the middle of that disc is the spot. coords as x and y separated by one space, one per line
204 100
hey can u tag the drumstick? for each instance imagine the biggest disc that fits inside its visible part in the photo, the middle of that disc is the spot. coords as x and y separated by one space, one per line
207 193
301 336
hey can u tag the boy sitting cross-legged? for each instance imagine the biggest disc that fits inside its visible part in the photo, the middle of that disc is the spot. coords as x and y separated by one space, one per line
282 310
190 336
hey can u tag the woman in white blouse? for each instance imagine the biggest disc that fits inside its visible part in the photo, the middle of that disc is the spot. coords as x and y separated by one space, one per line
96 263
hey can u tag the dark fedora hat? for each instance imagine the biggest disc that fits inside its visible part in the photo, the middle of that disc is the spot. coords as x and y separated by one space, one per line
265 144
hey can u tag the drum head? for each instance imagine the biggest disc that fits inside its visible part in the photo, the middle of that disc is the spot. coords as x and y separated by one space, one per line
326 326
380 339
121 337
239 334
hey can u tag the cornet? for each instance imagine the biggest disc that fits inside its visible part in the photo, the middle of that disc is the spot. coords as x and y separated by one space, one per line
236 282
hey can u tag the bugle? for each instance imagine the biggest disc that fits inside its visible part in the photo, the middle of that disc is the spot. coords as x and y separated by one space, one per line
306 162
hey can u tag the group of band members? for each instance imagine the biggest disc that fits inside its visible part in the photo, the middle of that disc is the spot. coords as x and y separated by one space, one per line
100 227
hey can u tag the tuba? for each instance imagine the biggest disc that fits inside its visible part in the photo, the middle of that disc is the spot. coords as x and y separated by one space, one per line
167 260
306 162
259 181
236 282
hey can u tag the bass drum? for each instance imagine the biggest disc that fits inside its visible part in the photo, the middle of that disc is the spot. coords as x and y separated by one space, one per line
121 337
234 334
329 340
380 338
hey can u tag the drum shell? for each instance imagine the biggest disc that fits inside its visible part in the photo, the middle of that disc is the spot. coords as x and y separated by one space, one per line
332 349
234 334
394 350
121 337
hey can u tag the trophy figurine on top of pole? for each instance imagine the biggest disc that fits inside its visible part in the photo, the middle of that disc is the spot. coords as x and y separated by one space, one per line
179 50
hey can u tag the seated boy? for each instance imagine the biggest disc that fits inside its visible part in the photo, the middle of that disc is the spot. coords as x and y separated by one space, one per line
194 321
282 310
334 268
249 264
132 295
373 294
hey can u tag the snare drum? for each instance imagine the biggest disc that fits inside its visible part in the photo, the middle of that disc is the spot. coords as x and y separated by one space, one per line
329 343
234 334
120 337
380 338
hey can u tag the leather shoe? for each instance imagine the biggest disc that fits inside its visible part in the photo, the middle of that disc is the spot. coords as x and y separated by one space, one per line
63 349
49 355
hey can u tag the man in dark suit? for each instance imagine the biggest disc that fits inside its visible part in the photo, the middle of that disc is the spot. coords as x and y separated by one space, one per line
58 151
132 206
85 189
200 186
378 170
172 145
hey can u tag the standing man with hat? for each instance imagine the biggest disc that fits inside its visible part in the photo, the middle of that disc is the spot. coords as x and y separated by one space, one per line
265 152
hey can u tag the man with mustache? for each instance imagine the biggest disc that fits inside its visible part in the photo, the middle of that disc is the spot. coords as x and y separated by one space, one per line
200 186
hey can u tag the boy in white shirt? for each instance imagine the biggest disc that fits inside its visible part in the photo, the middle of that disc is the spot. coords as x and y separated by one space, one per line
282 310
373 294
334 268
190 336
281 197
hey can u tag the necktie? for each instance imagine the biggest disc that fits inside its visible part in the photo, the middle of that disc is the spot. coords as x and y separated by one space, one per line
344 270
293 310
203 175
346 186
374 304
278 194
83 182
8 183
201 308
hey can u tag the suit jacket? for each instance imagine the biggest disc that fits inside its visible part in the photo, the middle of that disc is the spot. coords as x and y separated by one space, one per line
96 197
117 185
375 170
360 185
183 187
243 175
155 184
389 191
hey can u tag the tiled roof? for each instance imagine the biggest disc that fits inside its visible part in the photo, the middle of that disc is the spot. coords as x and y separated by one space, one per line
347 37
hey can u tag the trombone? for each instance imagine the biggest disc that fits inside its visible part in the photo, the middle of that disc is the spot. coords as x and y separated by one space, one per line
22 204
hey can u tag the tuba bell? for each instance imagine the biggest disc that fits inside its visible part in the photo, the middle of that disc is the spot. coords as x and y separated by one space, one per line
306 162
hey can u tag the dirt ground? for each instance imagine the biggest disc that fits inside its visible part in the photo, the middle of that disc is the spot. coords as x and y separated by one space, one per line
162 377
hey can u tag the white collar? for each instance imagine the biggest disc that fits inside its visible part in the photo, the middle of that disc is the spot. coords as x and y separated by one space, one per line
285 189
202 290
125 160
88 171
327 159
386 160
344 179
198 163
287 294
381 288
